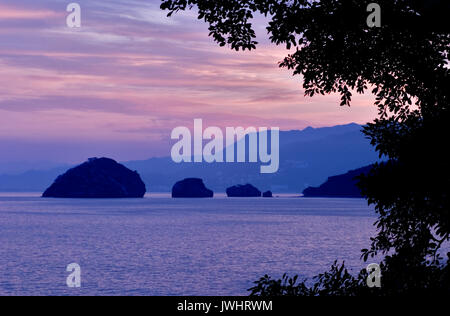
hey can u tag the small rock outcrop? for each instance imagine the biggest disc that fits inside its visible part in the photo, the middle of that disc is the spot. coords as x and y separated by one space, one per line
268 194
97 178
191 188
247 190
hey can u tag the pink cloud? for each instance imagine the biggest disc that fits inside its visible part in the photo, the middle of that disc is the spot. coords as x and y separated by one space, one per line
16 13
129 74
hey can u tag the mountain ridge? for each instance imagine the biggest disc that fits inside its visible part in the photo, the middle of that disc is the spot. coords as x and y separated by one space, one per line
307 158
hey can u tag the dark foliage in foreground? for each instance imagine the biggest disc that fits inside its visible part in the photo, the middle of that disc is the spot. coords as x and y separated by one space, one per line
397 279
404 64
337 282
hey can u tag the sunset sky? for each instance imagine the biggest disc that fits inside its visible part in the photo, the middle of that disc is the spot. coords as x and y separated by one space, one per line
118 85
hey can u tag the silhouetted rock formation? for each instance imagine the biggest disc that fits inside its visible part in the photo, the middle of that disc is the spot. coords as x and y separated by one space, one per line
98 178
339 186
191 188
247 190
268 194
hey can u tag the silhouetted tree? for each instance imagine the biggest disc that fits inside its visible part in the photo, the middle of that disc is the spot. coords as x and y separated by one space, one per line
404 63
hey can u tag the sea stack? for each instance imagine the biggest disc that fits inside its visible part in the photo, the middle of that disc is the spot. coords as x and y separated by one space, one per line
97 178
247 190
191 188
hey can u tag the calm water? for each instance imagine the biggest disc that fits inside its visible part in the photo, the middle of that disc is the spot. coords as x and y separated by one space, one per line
161 246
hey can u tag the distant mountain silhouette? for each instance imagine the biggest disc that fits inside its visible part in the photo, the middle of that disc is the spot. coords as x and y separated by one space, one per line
97 178
307 158
19 167
30 181
343 185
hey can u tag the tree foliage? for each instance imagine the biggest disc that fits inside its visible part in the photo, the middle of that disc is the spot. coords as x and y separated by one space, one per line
404 64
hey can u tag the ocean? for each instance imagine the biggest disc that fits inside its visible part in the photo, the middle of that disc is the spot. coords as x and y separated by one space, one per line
163 246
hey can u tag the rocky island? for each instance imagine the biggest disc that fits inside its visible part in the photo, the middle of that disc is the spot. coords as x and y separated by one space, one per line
247 190
268 194
97 178
191 188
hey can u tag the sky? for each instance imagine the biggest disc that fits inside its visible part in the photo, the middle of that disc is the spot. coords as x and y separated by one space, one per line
118 85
